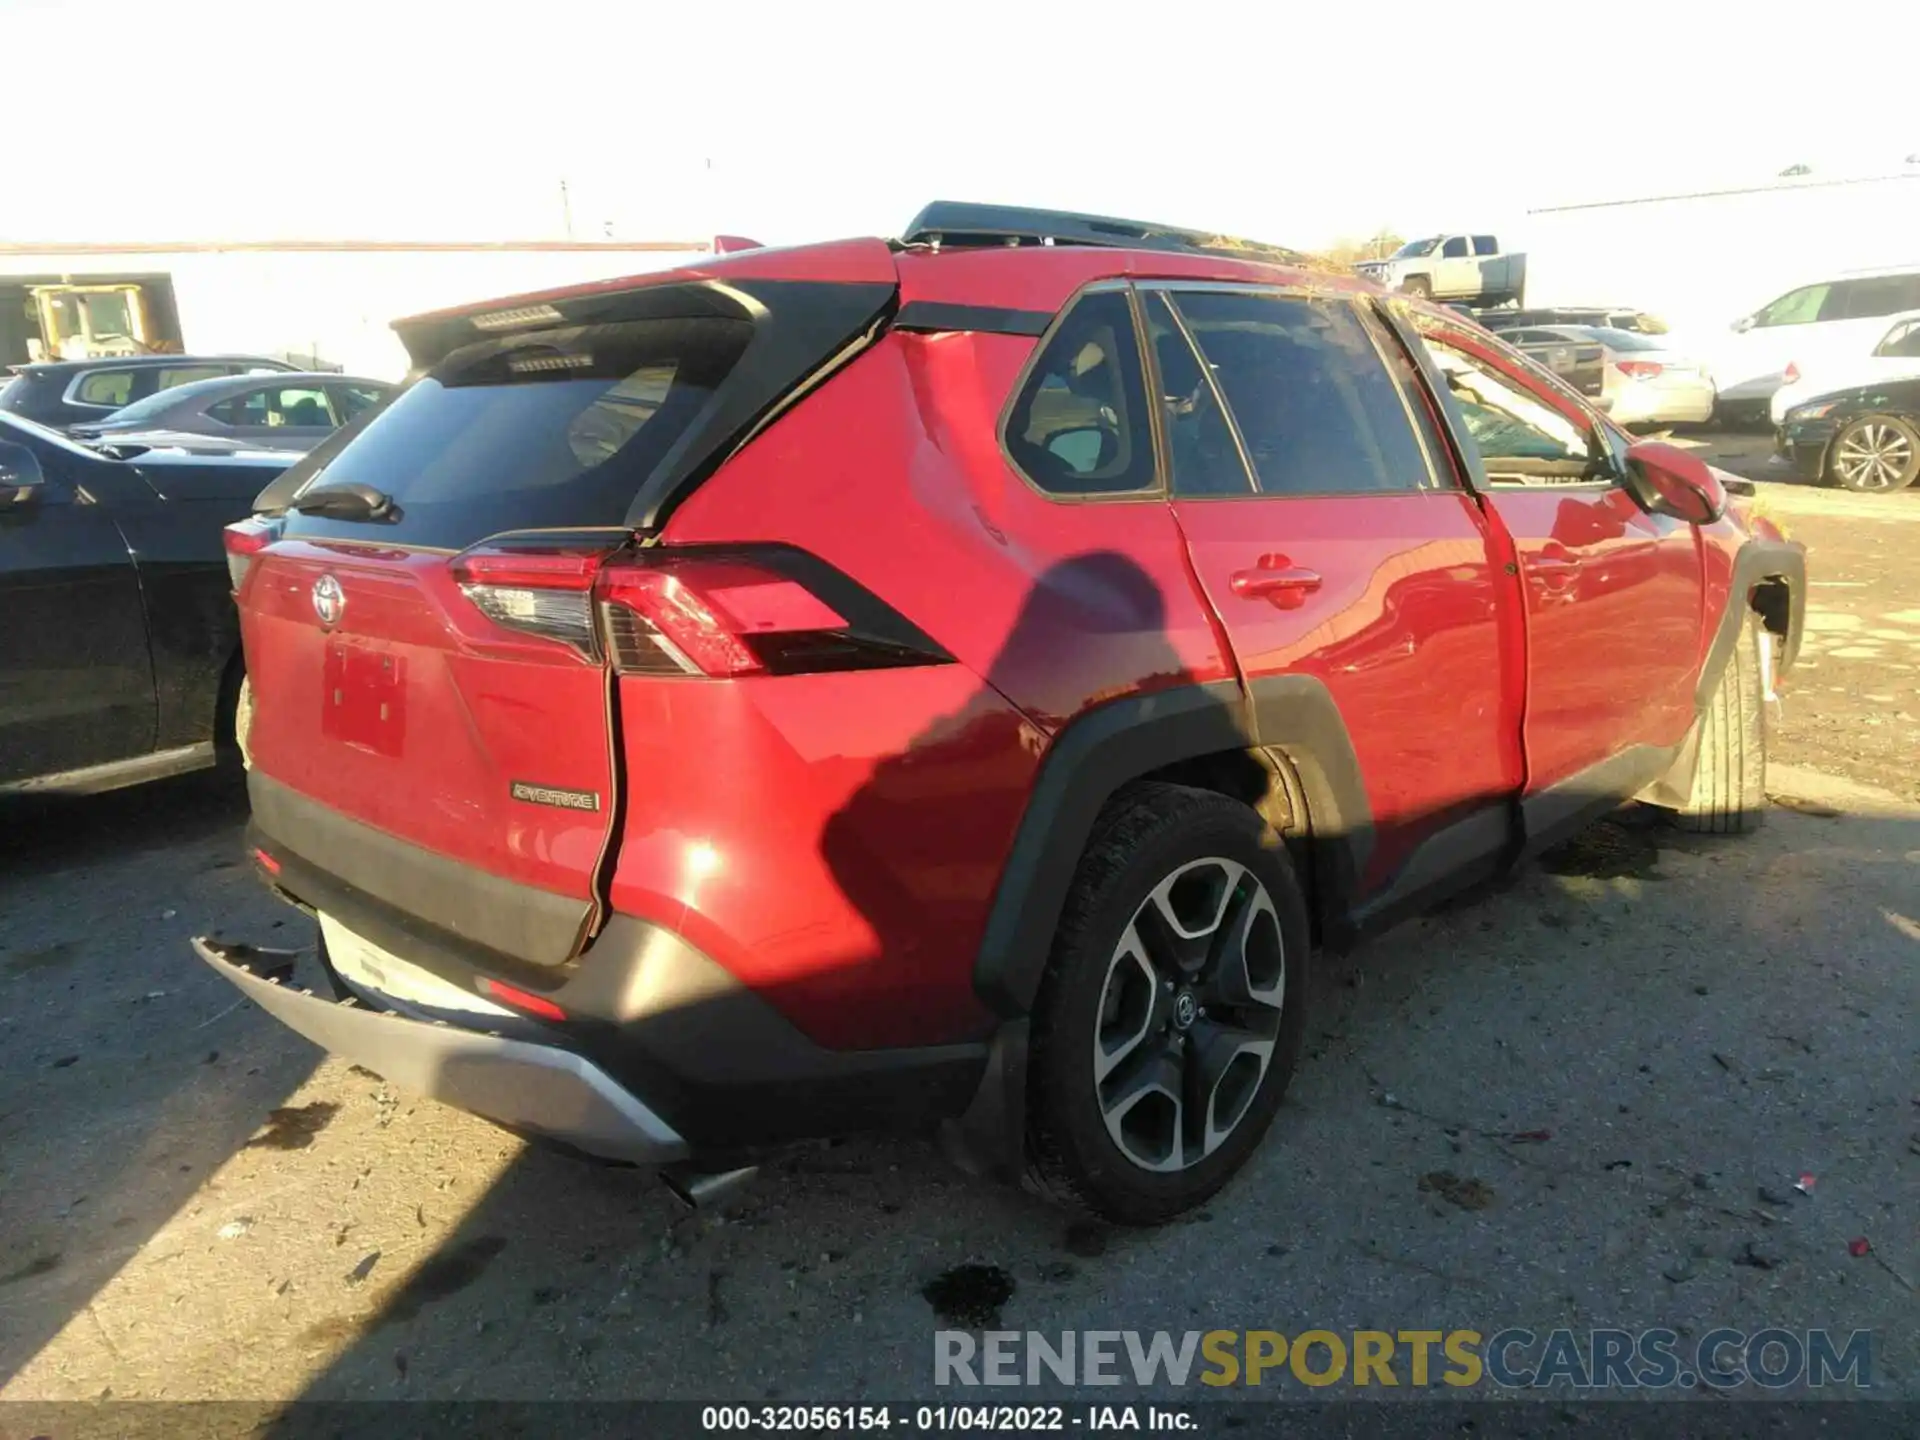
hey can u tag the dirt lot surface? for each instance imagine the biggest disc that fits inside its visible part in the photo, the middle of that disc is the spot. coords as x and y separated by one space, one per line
1581 1100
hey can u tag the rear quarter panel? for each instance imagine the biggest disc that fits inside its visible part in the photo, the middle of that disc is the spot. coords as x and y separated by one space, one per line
898 792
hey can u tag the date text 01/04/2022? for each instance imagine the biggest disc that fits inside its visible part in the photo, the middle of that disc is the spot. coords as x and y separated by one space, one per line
988 1419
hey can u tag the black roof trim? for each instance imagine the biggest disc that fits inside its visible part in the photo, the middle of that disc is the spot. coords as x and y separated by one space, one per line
963 223
938 315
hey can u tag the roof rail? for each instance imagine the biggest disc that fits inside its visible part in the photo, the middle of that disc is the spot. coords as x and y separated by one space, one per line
962 223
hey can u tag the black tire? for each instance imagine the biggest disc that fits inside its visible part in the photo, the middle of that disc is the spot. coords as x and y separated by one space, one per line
1418 285
1729 795
1147 835
1894 443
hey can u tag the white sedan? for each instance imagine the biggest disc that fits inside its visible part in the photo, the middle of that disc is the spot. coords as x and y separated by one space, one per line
1895 355
1645 380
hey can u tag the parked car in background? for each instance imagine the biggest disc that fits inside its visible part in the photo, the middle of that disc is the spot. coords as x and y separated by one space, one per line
1643 380
1865 437
878 683
1895 356
293 411
1452 267
1579 360
119 645
59 393
1606 317
1813 325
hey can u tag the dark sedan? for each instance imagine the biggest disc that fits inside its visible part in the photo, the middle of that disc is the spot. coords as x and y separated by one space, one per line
294 411
60 393
120 651
1864 438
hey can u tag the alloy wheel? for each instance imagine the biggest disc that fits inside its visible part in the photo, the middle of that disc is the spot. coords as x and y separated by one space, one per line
1189 1014
1873 456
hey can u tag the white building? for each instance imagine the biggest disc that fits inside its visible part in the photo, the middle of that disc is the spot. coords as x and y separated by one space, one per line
326 301
1704 259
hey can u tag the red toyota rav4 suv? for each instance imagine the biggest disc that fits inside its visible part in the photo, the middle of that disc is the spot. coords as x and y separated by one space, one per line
959 679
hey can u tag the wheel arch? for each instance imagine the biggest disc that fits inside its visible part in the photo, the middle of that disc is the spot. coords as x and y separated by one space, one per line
1284 752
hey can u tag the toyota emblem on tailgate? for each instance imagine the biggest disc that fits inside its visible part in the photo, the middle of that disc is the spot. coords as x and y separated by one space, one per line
329 600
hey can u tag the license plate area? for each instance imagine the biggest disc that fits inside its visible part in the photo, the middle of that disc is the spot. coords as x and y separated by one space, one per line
364 700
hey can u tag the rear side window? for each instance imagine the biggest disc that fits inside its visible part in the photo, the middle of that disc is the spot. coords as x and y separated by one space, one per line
1485 245
1902 342
276 406
1315 406
1870 299
1079 424
105 387
541 430
186 374
1205 455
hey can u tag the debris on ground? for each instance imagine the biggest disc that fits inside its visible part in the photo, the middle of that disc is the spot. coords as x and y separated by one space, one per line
235 1228
1771 1196
1858 1247
1805 1183
1530 1137
970 1295
1758 1255
365 1268
1468 1194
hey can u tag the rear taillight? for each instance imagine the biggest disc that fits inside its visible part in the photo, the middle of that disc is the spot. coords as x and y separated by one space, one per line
719 612
542 586
245 539
1791 375
1639 369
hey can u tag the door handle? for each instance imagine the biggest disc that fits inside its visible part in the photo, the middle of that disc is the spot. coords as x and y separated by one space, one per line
1277 579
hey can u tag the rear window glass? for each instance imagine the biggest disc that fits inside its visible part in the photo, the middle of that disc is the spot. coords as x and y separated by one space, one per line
554 428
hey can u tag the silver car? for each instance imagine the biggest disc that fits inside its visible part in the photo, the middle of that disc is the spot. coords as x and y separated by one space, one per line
1645 381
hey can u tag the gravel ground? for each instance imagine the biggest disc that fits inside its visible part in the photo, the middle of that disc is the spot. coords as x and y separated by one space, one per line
1581 1099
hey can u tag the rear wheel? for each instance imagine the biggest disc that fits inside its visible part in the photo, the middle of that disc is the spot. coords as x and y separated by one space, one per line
1729 795
1418 285
1875 452
1170 1015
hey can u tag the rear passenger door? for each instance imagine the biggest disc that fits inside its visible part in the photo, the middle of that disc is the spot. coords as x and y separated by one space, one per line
1344 561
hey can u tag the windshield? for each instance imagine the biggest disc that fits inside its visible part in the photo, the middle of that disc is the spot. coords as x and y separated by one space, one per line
1416 247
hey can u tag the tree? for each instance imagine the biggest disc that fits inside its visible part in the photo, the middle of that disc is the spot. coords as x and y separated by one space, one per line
1345 252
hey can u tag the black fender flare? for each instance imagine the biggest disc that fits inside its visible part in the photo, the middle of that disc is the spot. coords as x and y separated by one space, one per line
1292 717
1760 561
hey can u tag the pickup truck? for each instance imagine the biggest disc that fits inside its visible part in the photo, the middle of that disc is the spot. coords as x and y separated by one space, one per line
120 655
1452 267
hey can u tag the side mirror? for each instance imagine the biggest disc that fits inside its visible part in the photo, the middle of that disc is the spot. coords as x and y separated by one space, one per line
1667 480
20 475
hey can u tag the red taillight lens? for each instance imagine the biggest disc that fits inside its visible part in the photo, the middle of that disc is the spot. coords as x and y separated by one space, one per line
245 539
710 611
718 616
1639 369
542 586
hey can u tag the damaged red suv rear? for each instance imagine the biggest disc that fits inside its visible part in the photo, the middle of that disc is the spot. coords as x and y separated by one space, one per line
954 680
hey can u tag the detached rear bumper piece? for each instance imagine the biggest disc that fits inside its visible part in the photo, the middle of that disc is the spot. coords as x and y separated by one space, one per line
526 1087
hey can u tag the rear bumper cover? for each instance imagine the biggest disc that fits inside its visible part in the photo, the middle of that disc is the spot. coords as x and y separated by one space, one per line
716 1062
529 1088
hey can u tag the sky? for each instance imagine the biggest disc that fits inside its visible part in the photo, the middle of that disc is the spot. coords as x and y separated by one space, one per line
1289 123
